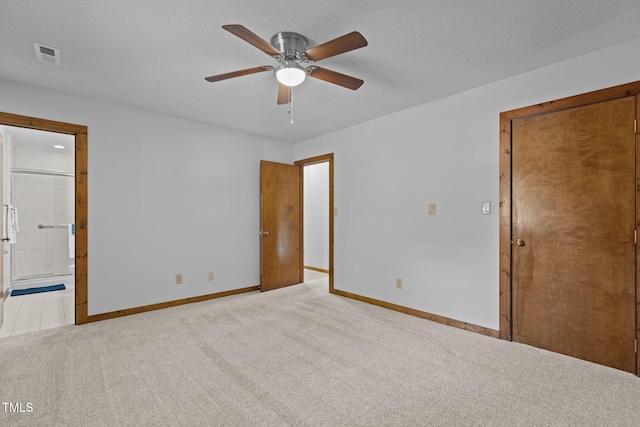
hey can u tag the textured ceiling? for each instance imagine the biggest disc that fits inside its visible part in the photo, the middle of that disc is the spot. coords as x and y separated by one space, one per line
154 54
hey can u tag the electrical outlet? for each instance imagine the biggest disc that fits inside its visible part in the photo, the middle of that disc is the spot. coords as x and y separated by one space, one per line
211 277
399 283
178 279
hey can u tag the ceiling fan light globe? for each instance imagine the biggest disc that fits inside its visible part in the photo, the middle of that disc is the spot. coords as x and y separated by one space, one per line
290 76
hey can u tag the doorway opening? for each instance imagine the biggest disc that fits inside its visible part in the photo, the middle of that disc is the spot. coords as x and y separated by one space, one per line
318 212
64 230
315 183
39 214
282 223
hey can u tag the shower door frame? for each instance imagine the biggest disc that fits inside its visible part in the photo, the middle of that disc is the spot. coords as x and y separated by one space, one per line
57 261
81 192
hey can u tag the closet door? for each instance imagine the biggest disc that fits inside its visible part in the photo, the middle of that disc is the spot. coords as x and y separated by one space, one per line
573 226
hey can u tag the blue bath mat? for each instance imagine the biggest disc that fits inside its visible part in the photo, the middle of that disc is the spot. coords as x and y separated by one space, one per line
17 292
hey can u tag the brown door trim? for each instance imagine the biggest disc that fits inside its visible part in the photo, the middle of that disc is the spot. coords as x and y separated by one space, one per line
312 161
506 119
80 133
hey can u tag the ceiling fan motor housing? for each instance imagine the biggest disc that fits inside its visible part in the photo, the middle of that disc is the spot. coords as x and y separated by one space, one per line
292 45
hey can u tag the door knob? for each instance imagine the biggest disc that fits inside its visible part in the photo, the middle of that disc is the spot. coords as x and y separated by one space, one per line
520 242
264 233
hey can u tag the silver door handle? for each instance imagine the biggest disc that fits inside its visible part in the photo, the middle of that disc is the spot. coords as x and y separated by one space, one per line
264 233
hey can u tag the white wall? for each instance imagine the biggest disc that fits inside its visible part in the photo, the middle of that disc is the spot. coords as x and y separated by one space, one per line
316 215
166 196
388 170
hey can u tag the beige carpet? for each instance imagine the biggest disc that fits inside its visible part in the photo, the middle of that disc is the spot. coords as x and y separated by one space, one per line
299 357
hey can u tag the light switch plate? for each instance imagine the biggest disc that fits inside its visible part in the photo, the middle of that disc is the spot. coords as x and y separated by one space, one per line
486 208
432 208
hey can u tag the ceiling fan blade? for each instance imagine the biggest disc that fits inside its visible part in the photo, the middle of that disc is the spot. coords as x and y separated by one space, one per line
337 46
284 94
252 38
238 73
334 77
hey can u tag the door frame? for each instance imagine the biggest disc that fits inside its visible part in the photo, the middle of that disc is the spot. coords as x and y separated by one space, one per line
81 193
307 162
506 119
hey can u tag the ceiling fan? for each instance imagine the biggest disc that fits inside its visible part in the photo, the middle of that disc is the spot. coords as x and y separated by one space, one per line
291 51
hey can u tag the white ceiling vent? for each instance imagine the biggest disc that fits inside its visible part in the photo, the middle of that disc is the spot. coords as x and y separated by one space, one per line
47 54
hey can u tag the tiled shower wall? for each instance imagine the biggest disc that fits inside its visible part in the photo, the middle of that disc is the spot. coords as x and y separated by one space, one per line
46 200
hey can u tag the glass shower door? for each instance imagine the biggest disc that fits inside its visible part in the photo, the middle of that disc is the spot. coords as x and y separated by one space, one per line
44 245
63 235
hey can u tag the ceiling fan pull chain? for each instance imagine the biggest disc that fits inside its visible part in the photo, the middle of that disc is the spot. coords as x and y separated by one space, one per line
291 104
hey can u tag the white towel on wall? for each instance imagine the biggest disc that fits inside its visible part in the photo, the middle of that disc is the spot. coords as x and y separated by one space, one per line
11 225
72 240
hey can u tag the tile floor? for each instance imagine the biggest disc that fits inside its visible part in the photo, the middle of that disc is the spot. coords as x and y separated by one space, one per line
35 312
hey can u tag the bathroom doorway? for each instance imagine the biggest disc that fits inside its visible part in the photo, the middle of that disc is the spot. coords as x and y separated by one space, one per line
39 215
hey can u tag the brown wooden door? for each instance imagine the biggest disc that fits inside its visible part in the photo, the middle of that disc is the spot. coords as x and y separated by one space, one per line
573 181
280 225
